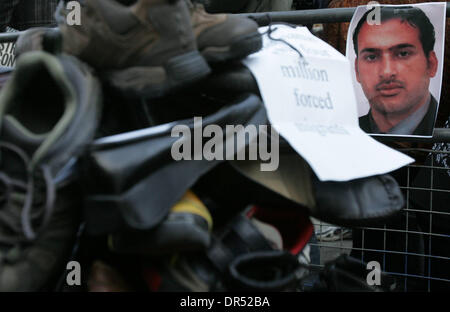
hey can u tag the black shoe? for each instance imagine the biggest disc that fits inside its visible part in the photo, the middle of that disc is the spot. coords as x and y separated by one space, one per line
132 180
366 201
187 227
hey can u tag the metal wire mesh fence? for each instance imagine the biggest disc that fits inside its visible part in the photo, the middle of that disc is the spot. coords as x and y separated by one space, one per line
413 246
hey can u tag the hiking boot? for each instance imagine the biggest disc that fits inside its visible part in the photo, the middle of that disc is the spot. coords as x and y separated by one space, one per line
146 49
223 37
49 110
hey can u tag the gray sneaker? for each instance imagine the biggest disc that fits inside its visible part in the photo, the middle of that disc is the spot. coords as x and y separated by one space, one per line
146 49
49 111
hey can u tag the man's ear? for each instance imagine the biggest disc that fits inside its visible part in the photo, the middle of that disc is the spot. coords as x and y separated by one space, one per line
432 64
357 70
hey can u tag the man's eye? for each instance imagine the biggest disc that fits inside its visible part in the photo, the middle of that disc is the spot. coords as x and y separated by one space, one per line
370 57
403 54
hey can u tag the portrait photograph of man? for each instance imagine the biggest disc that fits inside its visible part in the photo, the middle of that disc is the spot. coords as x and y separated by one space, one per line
397 56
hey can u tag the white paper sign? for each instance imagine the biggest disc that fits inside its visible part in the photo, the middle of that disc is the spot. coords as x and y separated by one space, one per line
311 103
400 32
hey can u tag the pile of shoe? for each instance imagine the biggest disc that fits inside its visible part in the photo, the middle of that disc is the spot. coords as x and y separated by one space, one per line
52 108
87 174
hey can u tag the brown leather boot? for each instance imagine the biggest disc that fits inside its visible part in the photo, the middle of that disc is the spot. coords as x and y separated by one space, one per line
222 37
146 49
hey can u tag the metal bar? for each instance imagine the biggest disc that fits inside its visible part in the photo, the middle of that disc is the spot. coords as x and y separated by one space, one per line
431 222
440 135
9 37
428 211
303 16
425 150
394 252
424 189
429 167
407 227
332 15
319 266
406 231
419 276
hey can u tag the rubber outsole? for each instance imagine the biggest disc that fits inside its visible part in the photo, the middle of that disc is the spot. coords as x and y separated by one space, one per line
238 80
240 48
153 82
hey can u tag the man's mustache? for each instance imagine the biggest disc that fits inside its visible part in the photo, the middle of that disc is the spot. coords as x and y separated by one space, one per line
389 84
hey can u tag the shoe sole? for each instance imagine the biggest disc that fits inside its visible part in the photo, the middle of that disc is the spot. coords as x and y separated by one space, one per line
239 81
240 48
153 82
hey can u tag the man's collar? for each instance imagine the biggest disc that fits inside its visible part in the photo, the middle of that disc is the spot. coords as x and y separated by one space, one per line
408 125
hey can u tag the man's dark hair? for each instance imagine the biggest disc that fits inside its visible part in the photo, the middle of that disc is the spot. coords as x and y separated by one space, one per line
414 16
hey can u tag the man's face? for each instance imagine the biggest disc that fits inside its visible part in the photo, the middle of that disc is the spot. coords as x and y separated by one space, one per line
392 67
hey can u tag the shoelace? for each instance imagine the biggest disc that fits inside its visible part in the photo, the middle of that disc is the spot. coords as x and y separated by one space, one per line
8 215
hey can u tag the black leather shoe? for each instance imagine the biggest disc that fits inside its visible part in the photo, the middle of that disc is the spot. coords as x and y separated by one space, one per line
132 180
187 228
359 202
366 201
